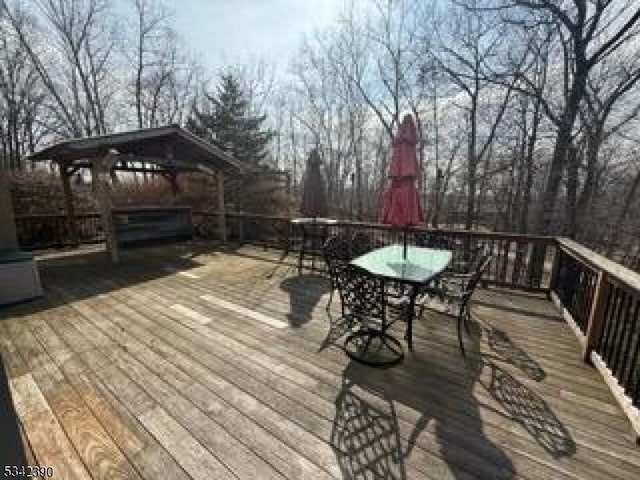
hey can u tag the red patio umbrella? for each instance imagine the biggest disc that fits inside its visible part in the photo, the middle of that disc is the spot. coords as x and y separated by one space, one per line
400 200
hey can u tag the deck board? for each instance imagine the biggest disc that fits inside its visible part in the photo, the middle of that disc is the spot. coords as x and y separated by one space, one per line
251 384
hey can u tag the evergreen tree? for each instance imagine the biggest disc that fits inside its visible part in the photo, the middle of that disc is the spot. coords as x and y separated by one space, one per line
228 122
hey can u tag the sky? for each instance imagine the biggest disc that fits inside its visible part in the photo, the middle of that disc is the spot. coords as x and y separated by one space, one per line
223 32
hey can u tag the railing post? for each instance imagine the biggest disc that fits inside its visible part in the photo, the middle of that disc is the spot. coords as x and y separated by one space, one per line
222 224
555 268
596 314
240 221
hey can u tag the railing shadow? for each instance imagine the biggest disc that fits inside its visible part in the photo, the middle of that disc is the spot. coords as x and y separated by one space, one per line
509 352
95 268
12 451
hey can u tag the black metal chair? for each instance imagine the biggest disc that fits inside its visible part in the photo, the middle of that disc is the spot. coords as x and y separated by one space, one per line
361 243
337 253
432 240
456 290
364 304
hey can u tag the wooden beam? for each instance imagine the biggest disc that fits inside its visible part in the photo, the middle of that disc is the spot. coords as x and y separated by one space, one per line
222 224
101 168
65 176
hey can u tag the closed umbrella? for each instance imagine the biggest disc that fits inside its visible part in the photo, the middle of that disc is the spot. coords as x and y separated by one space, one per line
400 201
314 195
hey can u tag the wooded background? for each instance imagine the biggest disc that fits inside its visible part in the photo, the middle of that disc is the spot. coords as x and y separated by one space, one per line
527 110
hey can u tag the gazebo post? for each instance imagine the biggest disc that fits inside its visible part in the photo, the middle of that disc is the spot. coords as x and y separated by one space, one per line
222 224
65 176
172 178
101 168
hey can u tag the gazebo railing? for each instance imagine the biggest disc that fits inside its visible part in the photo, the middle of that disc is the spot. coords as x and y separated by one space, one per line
52 230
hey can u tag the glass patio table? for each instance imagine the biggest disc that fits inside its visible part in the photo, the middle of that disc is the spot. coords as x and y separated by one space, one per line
421 267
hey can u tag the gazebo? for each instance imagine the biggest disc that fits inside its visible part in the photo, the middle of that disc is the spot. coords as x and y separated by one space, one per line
165 151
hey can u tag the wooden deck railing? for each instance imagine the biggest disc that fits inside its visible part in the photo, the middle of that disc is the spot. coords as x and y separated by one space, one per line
600 299
514 264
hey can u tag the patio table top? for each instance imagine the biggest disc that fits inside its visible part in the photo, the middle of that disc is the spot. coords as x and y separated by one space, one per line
420 266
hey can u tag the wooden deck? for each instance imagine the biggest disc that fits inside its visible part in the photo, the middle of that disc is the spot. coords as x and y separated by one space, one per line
190 362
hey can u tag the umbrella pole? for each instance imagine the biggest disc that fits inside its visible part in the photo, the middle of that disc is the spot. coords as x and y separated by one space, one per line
404 245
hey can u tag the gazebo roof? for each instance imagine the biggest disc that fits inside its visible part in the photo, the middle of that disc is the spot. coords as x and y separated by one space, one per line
170 147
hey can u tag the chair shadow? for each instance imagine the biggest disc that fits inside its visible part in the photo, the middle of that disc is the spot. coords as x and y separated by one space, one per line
304 293
528 409
369 443
509 352
365 436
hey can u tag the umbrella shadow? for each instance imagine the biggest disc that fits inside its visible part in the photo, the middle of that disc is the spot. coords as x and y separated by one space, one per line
304 293
372 440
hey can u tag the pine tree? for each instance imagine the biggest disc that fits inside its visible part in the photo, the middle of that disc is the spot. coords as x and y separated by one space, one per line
228 122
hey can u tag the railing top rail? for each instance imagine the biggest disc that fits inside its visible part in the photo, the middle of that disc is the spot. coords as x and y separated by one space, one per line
599 262
152 208
381 226
55 215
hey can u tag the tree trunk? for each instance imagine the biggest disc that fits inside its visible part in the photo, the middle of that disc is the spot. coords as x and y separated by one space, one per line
436 199
544 217
573 163
593 142
472 167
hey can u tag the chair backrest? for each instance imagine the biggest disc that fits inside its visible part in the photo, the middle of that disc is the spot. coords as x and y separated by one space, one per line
362 294
336 252
479 255
432 240
438 241
360 244
481 267
336 248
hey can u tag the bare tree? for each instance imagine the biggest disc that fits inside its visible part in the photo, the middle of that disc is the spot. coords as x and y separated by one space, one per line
589 32
73 62
20 99
462 55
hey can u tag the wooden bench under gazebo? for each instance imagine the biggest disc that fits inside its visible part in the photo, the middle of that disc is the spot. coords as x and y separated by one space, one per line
165 151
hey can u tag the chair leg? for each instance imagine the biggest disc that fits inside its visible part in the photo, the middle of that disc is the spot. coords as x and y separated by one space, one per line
330 299
460 342
466 321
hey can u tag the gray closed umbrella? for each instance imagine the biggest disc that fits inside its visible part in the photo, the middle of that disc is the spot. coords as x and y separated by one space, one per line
314 194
